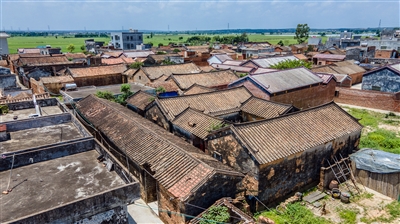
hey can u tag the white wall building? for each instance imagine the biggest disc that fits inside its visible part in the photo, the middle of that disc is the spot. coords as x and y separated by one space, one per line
126 40
3 43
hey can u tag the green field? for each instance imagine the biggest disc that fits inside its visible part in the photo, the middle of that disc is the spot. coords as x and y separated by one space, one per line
31 42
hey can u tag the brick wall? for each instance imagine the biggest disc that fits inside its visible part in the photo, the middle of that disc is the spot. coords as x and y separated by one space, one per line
367 98
37 86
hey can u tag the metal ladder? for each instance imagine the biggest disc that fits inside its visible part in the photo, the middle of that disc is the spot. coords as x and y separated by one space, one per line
343 172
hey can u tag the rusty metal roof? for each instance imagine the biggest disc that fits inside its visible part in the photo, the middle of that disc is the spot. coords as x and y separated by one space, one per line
97 71
178 166
264 108
196 122
206 102
156 72
196 89
274 82
208 79
140 99
280 137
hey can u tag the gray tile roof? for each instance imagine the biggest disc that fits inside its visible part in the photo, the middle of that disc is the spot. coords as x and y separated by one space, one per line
264 108
208 79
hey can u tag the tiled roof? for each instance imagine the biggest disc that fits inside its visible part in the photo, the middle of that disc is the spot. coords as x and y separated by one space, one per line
75 55
274 82
300 56
233 211
233 67
174 162
115 61
348 69
330 57
196 122
130 72
137 54
140 99
196 89
29 50
323 69
263 70
3 63
206 68
268 62
264 108
57 79
113 54
168 84
43 60
280 137
326 77
156 72
13 57
223 57
97 71
208 79
232 62
206 102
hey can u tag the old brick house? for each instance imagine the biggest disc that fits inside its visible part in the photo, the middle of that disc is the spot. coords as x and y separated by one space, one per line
97 76
255 109
347 67
326 59
299 87
213 79
139 102
385 79
224 104
284 154
172 172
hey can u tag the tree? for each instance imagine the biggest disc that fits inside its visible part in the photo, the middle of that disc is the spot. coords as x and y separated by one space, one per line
136 65
83 47
176 50
160 89
160 45
126 92
180 38
168 62
151 35
291 64
71 48
105 95
281 43
302 31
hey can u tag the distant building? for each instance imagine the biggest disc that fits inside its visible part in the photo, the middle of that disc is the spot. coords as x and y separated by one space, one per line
126 40
3 43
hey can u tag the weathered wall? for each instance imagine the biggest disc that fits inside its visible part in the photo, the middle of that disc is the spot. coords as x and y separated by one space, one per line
87 207
29 104
250 117
155 115
386 79
281 178
326 174
117 215
8 81
98 80
232 153
38 122
370 99
37 86
38 73
308 97
169 207
389 44
356 78
140 77
44 153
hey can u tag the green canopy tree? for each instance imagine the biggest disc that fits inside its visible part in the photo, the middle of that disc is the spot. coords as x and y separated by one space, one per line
301 34
71 48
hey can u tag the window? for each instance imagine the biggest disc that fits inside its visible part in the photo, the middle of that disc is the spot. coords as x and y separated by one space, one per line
383 47
140 37
376 88
217 156
140 77
336 93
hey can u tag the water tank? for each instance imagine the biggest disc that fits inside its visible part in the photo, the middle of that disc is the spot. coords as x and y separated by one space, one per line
70 86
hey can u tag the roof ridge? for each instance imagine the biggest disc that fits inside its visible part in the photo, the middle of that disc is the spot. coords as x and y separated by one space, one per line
213 92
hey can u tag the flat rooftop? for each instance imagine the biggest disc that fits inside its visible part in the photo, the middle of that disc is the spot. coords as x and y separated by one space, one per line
23 114
52 183
34 137
82 92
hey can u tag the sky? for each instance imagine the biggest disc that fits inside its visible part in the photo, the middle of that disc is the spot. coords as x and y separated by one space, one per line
182 15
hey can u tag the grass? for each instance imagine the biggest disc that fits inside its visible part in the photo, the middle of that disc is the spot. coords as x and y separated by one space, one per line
376 137
392 210
348 216
294 214
31 42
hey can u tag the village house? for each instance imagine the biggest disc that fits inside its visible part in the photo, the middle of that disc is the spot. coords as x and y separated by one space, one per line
384 79
76 57
139 101
315 42
324 59
299 48
146 75
361 53
299 87
266 62
224 104
235 68
54 84
159 59
219 59
386 54
97 76
170 171
116 61
7 79
255 109
283 154
196 89
214 79
354 71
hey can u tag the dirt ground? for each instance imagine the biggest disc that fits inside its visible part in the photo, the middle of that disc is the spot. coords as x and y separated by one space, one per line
368 205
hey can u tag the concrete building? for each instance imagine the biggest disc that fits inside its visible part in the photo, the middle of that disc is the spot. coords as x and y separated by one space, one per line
126 40
4 43
284 154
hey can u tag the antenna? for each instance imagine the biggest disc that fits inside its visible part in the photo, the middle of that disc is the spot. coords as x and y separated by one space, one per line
379 27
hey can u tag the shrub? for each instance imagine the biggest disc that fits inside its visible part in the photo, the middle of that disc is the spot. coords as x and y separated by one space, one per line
216 214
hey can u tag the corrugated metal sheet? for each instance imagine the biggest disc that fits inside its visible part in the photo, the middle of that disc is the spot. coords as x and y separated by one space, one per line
206 102
196 122
293 133
264 108
279 81
208 79
173 161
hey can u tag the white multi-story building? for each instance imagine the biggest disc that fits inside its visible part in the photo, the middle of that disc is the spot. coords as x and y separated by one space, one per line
3 43
126 40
